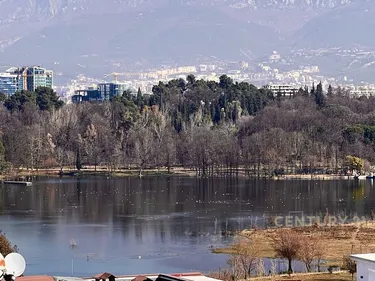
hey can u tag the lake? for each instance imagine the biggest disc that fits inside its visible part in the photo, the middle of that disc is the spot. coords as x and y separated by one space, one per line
154 224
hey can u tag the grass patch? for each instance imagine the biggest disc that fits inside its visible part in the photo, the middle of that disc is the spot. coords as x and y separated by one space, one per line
338 240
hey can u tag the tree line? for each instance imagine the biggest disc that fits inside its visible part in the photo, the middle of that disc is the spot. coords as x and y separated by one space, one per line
213 128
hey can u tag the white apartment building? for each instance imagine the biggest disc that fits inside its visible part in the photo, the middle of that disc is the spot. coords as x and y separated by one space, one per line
358 91
284 90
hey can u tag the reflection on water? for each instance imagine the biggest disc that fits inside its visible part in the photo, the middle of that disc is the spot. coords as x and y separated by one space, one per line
131 225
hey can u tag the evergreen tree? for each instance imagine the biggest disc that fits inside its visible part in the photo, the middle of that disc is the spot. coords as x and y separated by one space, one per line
191 79
330 91
320 99
312 91
306 91
47 99
139 100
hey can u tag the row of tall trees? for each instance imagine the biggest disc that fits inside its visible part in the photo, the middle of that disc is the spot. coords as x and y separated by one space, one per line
213 128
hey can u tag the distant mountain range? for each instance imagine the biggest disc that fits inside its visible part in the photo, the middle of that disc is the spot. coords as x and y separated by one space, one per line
97 36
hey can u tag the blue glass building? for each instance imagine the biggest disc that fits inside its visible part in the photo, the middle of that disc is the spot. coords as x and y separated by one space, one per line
104 92
25 78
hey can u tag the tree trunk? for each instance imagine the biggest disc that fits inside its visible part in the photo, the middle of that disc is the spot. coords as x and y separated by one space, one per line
290 270
318 265
308 267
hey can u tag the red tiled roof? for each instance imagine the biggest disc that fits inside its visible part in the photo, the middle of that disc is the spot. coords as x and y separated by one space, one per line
104 275
140 278
36 278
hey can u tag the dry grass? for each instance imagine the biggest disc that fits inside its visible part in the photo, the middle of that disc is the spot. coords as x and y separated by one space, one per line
338 240
341 276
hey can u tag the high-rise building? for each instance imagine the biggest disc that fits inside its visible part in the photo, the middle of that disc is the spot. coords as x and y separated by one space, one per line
104 92
9 83
25 78
108 90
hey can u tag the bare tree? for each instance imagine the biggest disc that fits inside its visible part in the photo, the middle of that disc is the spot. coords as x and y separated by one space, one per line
311 249
287 244
244 259
350 265
260 268
5 245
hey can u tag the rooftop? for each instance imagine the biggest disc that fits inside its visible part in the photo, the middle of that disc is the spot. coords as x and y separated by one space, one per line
193 276
104 275
141 278
7 74
36 278
364 257
199 278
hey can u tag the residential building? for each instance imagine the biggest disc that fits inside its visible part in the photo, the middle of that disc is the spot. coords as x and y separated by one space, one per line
283 90
25 78
274 57
363 90
365 266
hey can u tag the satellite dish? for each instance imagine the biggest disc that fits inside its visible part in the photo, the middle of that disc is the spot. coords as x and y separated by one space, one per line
15 264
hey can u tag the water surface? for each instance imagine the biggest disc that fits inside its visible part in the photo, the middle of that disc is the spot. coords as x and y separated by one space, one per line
155 224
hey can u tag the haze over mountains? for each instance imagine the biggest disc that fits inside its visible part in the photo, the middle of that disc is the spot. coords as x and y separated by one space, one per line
113 35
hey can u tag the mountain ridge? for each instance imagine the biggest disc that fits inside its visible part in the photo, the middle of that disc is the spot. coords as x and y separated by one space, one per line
13 9
97 35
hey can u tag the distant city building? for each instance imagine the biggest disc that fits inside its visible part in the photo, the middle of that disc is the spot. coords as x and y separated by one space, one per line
25 78
90 94
274 57
244 65
311 69
9 84
207 67
203 68
365 90
108 90
103 92
283 90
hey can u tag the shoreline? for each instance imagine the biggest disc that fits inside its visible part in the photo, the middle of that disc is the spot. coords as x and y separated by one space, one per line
175 171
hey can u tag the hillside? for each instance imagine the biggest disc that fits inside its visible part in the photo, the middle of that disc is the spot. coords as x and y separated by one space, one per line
97 37
346 26
166 33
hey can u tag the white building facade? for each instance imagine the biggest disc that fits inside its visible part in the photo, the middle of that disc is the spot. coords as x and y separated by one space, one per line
365 266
